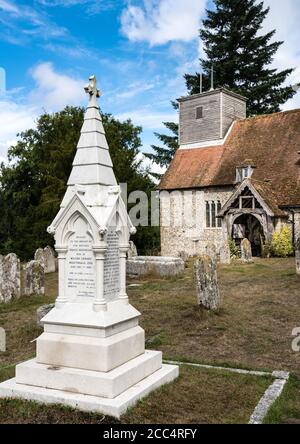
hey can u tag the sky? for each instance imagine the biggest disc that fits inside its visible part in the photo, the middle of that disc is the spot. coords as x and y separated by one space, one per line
138 50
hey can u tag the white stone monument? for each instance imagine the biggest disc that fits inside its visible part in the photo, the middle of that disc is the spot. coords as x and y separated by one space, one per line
91 354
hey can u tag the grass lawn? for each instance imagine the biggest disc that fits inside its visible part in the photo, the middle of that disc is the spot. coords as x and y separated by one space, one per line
252 330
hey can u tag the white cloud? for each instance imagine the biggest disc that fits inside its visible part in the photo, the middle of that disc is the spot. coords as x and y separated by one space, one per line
285 18
161 21
92 6
134 90
148 118
8 7
20 24
14 119
55 90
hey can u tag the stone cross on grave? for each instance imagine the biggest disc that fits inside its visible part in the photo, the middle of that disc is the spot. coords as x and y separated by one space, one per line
92 90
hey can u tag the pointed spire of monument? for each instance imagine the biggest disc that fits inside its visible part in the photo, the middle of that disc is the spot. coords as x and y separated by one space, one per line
92 165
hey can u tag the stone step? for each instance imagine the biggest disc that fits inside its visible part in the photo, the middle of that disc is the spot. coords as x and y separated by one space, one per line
107 385
113 407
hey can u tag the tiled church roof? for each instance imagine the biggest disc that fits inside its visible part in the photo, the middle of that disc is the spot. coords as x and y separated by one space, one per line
269 143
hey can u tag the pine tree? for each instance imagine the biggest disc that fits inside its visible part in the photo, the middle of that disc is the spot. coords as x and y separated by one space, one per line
162 156
242 56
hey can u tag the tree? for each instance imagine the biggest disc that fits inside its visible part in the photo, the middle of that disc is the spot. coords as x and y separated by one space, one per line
162 156
242 55
34 182
241 58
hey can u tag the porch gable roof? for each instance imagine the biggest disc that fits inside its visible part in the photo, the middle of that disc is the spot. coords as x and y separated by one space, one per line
262 193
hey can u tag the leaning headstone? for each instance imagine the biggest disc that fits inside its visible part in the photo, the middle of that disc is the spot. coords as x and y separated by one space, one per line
92 335
132 252
41 313
10 287
206 280
297 254
34 278
246 251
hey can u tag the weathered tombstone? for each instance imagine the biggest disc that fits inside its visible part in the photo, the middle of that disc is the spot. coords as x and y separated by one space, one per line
225 254
34 278
92 335
2 340
246 251
42 312
155 265
39 256
297 254
206 279
132 252
49 256
10 270
211 250
46 257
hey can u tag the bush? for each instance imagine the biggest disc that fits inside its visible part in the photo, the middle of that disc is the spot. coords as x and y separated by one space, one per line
282 244
235 251
266 249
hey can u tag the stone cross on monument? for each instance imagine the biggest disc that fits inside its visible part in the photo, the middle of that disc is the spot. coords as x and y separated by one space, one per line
91 354
91 88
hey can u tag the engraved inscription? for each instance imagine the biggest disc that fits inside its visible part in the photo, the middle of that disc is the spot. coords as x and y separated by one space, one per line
81 267
112 267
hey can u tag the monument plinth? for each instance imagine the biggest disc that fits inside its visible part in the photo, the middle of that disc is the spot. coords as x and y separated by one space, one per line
91 354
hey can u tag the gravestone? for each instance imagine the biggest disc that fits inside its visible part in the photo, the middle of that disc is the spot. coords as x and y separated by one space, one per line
225 254
49 256
46 257
246 251
10 278
34 278
2 340
92 335
297 254
39 256
211 250
155 265
206 280
132 252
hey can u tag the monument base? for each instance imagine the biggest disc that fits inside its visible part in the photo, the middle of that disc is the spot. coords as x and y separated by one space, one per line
113 407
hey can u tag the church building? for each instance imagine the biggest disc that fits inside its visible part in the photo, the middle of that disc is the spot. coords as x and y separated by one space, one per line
231 177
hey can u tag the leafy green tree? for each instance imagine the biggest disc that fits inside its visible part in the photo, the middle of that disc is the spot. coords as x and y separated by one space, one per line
33 184
242 55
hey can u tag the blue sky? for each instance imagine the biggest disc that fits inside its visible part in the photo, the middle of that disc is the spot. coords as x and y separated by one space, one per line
138 49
